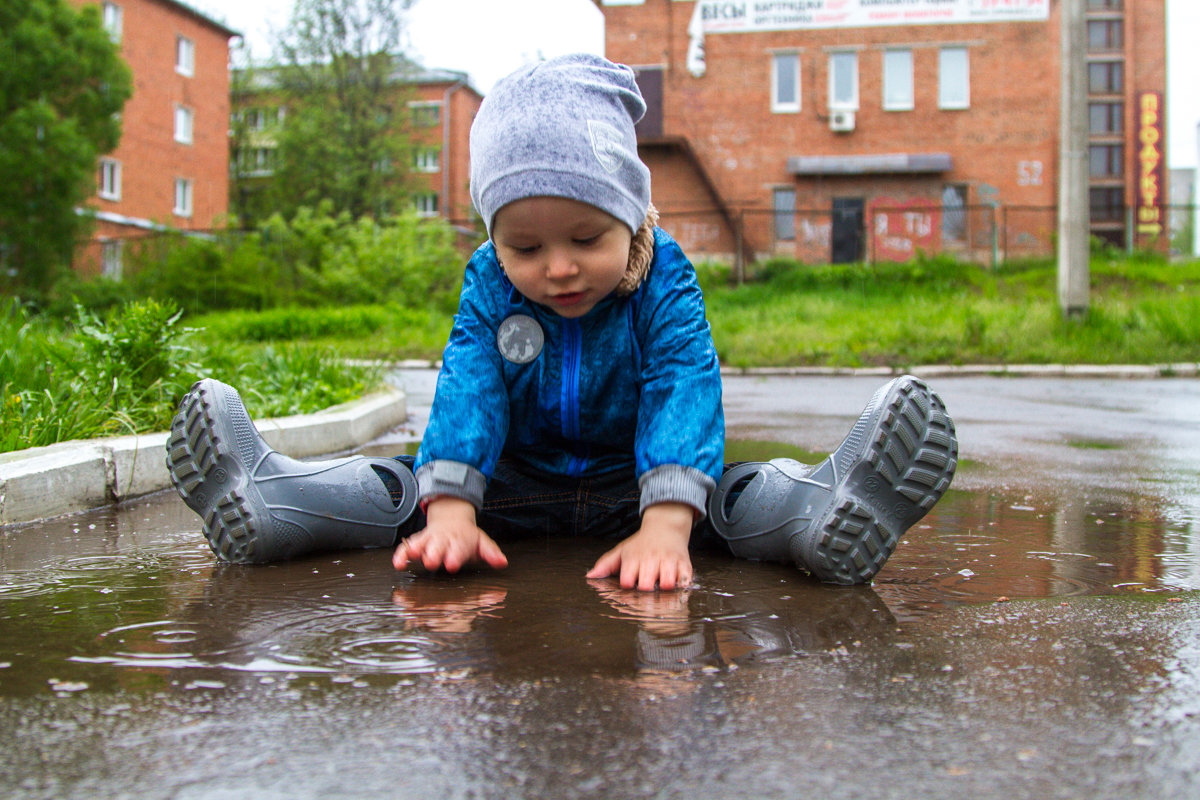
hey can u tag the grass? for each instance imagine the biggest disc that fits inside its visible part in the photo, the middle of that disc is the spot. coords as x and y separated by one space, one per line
942 312
929 311
126 373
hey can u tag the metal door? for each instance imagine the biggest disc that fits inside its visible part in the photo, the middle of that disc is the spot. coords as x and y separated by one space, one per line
847 236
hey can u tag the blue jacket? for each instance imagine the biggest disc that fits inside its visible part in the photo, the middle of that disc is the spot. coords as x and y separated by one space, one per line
634 383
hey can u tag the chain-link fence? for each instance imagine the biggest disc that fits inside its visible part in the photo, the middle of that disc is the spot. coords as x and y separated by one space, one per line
987 235
859 231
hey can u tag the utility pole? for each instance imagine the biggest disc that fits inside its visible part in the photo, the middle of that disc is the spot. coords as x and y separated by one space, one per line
1073 269
1196 199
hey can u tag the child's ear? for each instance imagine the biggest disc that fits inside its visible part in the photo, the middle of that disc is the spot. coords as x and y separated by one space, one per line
641 253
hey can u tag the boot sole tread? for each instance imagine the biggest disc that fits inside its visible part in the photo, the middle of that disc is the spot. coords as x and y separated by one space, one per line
910 459
200 463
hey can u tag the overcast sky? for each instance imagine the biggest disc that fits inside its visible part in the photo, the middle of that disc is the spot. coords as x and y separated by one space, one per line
490 38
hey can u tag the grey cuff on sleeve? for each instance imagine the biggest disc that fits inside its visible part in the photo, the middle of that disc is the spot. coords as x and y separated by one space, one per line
674 483
452 479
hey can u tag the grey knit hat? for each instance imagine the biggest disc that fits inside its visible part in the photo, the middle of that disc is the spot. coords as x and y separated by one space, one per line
561 128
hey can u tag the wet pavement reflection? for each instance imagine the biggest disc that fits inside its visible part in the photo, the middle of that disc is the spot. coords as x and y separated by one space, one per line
1028 638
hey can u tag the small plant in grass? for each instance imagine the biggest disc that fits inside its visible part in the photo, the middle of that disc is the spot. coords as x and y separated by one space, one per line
127 373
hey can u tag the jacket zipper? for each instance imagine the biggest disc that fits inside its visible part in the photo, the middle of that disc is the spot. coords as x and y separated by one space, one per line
572 356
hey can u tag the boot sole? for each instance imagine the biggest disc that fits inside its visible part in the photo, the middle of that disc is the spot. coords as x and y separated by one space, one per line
895 464
205 466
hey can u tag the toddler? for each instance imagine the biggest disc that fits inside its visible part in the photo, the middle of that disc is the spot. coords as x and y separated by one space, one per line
580 393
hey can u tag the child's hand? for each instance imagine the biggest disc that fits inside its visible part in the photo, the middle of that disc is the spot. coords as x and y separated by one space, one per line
450 539
656 555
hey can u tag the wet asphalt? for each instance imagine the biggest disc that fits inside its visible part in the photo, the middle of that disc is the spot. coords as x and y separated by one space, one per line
1037 635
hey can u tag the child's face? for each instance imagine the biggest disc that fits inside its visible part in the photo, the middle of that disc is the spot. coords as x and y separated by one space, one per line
561 253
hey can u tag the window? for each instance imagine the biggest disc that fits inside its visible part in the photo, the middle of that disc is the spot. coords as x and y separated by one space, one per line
1106 160
111 15
1107 204
954 213
1104 5
843 81
185 56
426 204
110 179
426 159
258 119
898 80
1106 119
183 197
183 125
954 78
256 161
426 115
112 258
785 83
1104 35
1106 77
785 215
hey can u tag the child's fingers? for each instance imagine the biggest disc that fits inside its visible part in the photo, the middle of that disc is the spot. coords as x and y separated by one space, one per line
408 551
668 573
606 565
490 552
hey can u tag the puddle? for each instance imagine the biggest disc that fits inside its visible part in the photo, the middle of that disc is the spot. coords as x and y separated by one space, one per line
1035 636
131 598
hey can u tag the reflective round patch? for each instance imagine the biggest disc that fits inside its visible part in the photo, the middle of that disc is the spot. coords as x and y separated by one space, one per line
520 339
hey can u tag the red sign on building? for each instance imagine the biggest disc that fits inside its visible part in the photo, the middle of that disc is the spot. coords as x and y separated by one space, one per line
1149 203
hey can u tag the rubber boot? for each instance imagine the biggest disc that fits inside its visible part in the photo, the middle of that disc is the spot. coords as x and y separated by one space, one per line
842 519
259 505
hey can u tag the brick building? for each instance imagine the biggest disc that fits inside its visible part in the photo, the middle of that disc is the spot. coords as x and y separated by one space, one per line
440 106
170 170
846 130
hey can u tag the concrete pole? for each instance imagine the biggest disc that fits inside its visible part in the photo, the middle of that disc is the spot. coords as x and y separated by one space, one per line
1196 199
1073 268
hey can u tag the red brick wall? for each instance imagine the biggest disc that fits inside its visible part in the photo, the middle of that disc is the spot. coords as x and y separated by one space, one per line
150 157
1004 147
460 102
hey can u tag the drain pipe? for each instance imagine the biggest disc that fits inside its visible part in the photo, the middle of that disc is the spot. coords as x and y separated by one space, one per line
450 90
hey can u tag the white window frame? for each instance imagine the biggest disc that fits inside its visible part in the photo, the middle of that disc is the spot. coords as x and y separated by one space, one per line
898 80
954 78
420 109
783 206
785 63
185 56
839 62
112 258
184 188
114 20
110 179
426 204
427 159
185 122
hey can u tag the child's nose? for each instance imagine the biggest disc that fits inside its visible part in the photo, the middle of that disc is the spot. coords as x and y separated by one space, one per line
560 264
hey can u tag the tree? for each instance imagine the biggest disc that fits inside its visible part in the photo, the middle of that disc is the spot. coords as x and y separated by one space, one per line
61 88
344 138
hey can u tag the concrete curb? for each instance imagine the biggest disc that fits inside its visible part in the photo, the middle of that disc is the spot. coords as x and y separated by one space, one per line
69 477
1179 370
1114 371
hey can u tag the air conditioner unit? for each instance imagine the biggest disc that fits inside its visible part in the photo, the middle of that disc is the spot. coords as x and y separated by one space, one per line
841 121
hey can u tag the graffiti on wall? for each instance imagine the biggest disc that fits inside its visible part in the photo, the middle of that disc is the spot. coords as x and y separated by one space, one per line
696 235
816 233
899 228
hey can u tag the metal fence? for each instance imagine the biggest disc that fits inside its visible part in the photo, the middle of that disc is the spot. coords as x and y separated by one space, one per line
983 234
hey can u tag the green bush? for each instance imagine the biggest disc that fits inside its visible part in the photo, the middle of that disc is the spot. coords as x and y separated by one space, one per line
126 373
315 259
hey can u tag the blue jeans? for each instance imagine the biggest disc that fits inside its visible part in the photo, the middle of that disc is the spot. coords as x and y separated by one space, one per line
521 502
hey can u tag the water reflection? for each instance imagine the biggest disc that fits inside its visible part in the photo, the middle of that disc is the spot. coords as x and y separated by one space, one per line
131 597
